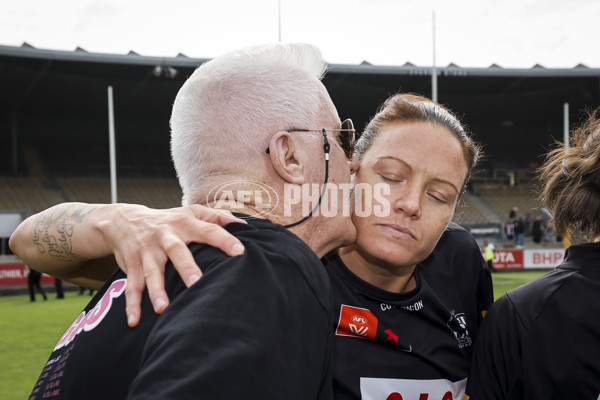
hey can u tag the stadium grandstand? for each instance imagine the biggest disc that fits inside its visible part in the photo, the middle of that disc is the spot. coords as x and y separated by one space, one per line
54 143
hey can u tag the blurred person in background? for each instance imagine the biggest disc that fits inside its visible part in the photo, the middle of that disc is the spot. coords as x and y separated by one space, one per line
528 224
60 293
409 294
33 283
490 253
550 234
519 225
537 231
82 290
509 231
542 340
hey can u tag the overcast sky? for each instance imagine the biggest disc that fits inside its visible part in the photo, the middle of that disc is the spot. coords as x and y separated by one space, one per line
469 33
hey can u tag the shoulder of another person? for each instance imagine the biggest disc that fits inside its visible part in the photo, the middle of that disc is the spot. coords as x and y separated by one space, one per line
267 248
456 233
454 227
458 241
262 237
531 299
499 312
260 276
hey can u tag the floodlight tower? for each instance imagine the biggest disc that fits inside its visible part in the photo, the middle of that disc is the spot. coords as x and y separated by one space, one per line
434 94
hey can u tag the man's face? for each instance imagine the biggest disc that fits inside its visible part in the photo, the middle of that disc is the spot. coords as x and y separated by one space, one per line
335 206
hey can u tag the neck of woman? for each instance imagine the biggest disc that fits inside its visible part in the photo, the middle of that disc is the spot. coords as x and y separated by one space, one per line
392 278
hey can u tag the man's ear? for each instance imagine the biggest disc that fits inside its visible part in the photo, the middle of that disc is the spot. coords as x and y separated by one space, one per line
286 158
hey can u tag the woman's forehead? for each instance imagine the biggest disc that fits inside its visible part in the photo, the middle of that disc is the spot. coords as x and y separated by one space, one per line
418 143
411 136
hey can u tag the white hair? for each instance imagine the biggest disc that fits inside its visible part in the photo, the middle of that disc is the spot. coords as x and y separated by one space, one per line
226 112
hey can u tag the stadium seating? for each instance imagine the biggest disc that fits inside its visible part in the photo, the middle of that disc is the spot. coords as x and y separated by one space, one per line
504 197
156 193
471 211
26 193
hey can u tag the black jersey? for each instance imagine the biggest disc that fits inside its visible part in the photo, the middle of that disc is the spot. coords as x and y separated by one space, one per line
414 345
256 326
542 340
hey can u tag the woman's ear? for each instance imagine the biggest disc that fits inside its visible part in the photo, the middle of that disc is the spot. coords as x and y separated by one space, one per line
286 157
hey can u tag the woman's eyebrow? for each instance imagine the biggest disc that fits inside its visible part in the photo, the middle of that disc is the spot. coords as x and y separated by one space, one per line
401 161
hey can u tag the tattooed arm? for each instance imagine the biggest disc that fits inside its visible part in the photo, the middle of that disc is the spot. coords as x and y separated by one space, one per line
84 243
51 233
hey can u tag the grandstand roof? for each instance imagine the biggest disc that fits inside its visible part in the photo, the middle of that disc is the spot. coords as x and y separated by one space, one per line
181 60
515 113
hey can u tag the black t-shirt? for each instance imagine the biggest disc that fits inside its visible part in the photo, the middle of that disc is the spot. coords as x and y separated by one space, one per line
414 345
256 326
542 340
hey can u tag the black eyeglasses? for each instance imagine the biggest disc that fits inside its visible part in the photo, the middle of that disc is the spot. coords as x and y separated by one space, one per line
346 139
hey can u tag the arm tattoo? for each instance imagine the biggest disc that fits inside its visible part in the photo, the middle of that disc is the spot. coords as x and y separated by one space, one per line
52 233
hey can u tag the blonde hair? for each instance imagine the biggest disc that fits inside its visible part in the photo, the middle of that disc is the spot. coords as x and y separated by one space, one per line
571 182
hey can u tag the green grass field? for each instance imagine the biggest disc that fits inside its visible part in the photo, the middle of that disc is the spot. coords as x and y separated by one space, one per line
504 281
29 331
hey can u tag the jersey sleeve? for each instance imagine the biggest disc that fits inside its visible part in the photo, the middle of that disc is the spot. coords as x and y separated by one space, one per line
252 327
496 365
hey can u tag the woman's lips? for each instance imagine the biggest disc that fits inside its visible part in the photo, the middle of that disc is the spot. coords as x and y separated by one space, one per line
398 231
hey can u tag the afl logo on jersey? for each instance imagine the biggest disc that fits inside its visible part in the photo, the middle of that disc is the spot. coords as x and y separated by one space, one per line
357 322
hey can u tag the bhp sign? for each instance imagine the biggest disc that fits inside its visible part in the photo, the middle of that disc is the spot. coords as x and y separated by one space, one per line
543 258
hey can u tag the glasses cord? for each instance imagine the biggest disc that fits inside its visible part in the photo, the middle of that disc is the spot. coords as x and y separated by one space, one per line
326 149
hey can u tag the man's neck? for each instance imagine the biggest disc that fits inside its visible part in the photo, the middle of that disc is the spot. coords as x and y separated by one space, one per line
308 231
311 231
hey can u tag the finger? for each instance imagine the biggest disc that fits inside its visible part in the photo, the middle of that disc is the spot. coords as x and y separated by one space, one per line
154 275
220 217
133 299
121 262
226 217
182 259
216 236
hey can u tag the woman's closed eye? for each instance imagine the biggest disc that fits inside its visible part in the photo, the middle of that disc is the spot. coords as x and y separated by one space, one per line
438 197
392 178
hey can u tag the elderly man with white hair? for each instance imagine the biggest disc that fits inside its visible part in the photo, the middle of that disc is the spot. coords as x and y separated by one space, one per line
256 326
